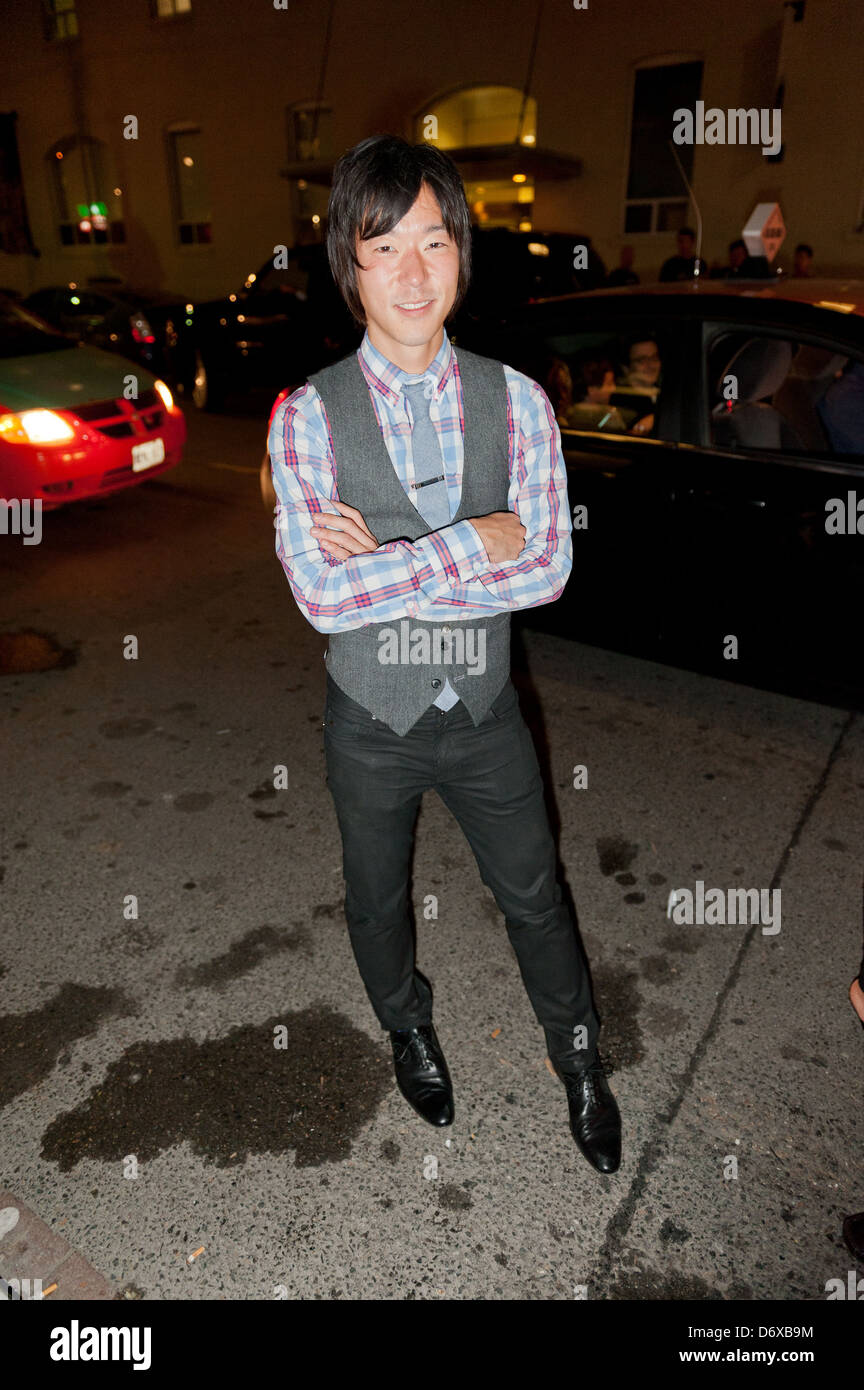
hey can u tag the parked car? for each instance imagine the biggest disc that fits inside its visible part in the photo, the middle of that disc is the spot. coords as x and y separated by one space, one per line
67 430
714 434
281 325
285 323
149 327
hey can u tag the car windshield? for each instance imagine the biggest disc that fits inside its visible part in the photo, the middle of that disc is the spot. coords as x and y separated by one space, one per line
23 334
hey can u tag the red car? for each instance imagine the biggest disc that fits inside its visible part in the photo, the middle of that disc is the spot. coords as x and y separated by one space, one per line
75 421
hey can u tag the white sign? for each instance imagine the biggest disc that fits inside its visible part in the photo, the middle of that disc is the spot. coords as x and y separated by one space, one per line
765 231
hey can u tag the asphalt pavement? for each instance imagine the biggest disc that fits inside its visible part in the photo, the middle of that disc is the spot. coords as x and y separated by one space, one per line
196 1101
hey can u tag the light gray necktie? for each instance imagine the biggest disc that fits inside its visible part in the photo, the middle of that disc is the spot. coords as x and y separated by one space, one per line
429 494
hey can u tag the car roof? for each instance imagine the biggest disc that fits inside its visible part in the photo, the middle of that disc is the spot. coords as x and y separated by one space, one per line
845 296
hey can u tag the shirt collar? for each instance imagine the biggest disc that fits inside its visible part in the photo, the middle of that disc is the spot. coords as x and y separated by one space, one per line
389 379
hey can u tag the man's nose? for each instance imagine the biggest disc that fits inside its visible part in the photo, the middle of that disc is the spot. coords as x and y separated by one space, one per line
412 267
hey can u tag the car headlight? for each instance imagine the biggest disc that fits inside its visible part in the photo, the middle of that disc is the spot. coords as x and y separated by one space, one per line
167 398
35 427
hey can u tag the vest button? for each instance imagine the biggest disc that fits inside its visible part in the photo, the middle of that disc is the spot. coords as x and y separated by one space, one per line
435 683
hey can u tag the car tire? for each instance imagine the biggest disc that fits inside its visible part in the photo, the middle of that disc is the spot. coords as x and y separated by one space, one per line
208 386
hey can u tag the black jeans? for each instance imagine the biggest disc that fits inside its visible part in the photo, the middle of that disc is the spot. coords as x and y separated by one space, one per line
489 777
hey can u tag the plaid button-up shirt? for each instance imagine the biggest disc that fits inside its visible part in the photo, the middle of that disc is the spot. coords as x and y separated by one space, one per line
445 574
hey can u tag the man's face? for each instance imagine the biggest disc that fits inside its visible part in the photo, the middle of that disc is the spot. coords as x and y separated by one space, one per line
407 283
737 256
802 262
645 362
685 245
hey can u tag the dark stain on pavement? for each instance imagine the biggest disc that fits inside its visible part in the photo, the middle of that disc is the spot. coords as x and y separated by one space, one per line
28 651
390 1150
242 956
263 791
617 997
193 801
453 1198
658 970
132 939
794 1054
33 1042
232 1096
653 1285
615 855
111 789
326 910
670 1234
125 728
687 943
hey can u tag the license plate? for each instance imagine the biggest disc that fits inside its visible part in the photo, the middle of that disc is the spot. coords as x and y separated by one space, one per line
145 455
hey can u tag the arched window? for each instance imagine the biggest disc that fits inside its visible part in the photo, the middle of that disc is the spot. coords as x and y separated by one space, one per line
473 123
88 203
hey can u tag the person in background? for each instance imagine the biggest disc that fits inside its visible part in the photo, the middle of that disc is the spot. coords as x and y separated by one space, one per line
683 266
841 409
625 274
803 261
642 378
737 259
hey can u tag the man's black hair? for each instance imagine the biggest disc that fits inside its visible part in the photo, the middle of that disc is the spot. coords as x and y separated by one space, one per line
374 185
733 245
687 231
803 246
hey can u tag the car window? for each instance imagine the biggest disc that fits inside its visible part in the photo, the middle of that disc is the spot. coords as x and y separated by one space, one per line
777 393
601 381
23 334
79 303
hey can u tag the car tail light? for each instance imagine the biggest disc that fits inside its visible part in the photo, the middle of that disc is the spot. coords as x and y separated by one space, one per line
141 330
35 427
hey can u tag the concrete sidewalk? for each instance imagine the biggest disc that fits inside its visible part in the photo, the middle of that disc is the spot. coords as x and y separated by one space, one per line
148 1115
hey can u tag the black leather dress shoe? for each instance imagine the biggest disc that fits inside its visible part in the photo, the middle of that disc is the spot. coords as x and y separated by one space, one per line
595 1121
421 1073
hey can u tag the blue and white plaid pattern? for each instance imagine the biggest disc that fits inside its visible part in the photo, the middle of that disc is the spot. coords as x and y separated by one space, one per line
445 574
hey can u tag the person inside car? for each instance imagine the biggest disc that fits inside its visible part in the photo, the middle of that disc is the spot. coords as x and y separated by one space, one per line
641 378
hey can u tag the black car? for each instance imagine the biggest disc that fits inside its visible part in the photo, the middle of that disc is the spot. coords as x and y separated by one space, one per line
146 326
288 320
714 440
282 324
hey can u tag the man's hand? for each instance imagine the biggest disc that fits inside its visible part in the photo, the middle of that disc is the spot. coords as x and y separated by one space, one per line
344 535
502 533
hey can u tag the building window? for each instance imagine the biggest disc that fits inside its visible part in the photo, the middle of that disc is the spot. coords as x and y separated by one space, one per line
61 21
191 187
657 200
88 204
310 140
169 9
310 131
482 117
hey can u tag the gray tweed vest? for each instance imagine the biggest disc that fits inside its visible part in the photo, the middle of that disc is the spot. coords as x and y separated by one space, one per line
397 669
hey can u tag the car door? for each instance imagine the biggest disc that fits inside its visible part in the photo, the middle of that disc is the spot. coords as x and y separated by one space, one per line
620 439
767 463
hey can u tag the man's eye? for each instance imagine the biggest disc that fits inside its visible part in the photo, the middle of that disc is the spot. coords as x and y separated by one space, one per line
383 248
438 243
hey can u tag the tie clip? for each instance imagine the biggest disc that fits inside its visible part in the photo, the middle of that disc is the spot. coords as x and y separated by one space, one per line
439 479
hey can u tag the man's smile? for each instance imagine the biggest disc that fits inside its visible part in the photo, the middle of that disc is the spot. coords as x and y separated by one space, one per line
415 306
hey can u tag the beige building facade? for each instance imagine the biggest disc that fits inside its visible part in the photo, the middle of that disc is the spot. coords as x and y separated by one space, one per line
174 143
